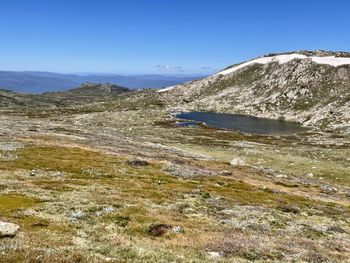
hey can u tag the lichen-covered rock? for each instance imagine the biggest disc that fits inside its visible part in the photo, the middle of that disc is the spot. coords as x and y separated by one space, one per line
237 162
8 229
177 229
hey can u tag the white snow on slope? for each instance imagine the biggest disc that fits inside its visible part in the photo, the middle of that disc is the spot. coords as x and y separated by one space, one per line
166 89
331 60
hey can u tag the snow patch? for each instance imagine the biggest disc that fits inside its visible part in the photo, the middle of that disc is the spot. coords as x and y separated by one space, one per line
331 60
166 89
281 59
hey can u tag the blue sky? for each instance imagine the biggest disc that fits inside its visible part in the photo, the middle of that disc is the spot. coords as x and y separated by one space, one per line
162 36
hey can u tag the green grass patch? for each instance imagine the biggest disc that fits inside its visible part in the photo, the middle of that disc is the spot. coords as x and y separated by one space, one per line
80 162
13 202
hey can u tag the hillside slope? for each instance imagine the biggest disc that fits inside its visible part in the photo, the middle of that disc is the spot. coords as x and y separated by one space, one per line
14 99
87 92
308 87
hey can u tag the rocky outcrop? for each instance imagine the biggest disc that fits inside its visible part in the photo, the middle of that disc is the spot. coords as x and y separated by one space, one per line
308 87
8 229
98 89
87 92
237 162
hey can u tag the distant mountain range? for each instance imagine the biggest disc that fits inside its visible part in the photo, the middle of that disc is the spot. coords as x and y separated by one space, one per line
39 82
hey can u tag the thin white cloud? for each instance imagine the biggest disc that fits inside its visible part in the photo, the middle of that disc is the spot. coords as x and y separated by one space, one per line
167 67
182 69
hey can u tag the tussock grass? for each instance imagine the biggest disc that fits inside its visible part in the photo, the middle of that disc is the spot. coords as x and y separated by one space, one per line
141 197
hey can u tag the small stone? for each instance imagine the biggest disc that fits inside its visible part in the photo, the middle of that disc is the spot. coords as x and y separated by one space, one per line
178 229
8 229
8 156
237 162
328 189
215 254
75 215
109 209
281 176
310 175
57 174
225 173
32 173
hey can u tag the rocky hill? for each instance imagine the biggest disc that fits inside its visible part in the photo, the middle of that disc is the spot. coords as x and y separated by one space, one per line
311 87
90 90
87 92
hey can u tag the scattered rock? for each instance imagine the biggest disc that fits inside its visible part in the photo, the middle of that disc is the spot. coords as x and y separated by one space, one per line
159 229
57 174
33 173
6 156
281 176
225 173
137 162
10 146
109 209
237 162
215 254
105 210
328 189
310 175
8 229
77 214
177 229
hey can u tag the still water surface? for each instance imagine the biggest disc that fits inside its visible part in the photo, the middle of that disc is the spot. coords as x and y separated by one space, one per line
244 123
